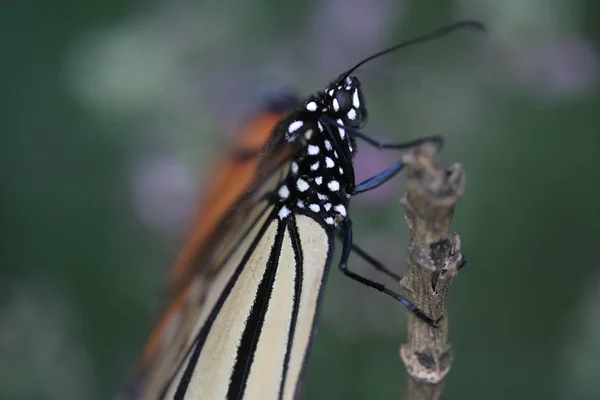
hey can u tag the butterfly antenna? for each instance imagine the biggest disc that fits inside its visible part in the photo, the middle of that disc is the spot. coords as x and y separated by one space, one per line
443 31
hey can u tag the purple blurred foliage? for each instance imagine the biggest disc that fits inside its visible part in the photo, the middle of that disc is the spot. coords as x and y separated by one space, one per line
559 68
341 42
163 194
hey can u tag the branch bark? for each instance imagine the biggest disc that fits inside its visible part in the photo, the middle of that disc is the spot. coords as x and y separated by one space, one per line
434 258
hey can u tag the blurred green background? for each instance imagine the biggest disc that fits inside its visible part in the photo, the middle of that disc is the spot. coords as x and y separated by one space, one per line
113 113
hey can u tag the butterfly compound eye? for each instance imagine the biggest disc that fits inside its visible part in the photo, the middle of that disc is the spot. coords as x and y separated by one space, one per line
342 101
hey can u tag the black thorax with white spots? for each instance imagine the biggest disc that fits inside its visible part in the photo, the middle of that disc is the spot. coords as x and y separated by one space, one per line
321 176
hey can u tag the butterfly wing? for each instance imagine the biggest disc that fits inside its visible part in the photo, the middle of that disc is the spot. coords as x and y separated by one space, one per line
234 175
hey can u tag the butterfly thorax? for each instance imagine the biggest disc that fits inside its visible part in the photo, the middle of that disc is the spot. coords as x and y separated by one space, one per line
321 174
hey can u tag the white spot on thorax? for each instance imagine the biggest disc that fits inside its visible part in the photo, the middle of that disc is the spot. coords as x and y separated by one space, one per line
333 185
320 126
312 106
313 150
294 126
341 209
284 212
302 185
283 192
329 162
341 170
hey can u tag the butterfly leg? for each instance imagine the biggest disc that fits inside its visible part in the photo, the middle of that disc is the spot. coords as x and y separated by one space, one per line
438 140
390 172
346 228
378 179
374 263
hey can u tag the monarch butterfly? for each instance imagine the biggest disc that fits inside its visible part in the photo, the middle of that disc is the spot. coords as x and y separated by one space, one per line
242 320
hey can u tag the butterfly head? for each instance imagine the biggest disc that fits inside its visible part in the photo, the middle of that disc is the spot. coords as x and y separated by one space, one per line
340 105
345 101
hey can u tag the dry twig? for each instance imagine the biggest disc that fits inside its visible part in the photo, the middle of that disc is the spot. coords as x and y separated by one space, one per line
434 258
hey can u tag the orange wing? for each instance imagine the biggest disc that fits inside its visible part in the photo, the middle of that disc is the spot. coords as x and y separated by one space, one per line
233 176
